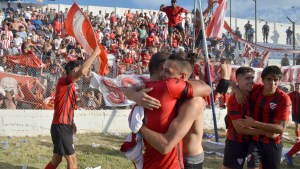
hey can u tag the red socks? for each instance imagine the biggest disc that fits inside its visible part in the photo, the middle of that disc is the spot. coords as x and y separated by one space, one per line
294 149
50 166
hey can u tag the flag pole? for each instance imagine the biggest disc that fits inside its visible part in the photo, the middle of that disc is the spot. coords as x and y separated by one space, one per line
208 71
194 30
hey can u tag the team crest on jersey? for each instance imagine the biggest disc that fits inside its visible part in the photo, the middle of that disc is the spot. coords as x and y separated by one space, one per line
273 105
240 161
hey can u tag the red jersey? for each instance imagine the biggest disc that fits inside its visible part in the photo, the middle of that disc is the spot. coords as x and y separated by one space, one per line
268 109
150 41
167 92
295 98
65 101
129 60
129 17
235 111
173 14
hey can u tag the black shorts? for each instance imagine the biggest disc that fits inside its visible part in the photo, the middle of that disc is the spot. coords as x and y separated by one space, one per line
235 154
268 154
62 139
222 86
296 117
178 27
193 162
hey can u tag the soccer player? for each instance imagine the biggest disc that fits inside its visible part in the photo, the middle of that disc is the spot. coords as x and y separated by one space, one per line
295 98
63 125
159 119
269 111
236 144
174 15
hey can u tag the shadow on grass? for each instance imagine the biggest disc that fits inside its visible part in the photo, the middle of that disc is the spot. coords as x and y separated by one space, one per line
46 144
9 166
99 150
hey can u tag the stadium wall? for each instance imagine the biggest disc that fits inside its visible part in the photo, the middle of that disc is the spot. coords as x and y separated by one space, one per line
38 122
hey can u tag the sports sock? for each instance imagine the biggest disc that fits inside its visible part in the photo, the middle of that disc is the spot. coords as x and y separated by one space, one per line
50 166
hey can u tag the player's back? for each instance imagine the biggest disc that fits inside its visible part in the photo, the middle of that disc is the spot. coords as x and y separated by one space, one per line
167 92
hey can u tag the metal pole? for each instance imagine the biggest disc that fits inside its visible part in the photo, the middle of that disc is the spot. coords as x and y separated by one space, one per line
230 13
255 23
294 39
294 43
208 71
194 31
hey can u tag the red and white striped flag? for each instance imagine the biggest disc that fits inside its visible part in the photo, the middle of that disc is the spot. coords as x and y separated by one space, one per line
215 28
78 25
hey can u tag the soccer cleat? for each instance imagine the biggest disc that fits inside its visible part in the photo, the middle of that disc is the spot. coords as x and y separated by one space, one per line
289 160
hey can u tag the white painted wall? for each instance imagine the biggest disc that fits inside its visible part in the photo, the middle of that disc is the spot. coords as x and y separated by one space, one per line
38 122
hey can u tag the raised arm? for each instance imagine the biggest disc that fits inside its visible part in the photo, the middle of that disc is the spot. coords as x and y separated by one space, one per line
179 127
86 65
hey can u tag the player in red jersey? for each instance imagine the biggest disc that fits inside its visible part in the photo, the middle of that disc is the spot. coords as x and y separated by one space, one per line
63 125
174 15
269 111
236 144
295 98
187 126
159 119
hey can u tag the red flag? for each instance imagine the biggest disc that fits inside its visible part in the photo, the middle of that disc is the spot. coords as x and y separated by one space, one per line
78 25
29 60
215 28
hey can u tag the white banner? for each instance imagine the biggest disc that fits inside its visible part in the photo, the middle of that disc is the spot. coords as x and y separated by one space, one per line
112 89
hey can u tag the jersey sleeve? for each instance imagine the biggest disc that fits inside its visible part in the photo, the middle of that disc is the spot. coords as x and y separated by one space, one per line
283 109
234 109
179 88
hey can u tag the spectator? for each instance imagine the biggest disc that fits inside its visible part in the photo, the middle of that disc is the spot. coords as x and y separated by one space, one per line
174 15
250 34
238 33
240 60
285 60
247 26
289 34
12 50
265 31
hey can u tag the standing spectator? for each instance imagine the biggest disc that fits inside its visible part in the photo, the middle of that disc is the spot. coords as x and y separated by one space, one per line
250 34
27 14
18 42
6 32
129 16
57 41
38 23
289 34
238 33
247 26
57 26
51 15
174 15
285 60
265 30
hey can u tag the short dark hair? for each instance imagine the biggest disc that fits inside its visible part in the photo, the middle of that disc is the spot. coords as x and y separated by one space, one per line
71 65
243 70
271 70
157 60
186 60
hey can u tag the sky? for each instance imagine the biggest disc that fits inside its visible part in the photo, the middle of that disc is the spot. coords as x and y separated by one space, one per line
270 10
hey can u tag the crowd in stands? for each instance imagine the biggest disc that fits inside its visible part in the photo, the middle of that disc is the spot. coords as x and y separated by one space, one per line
130 39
